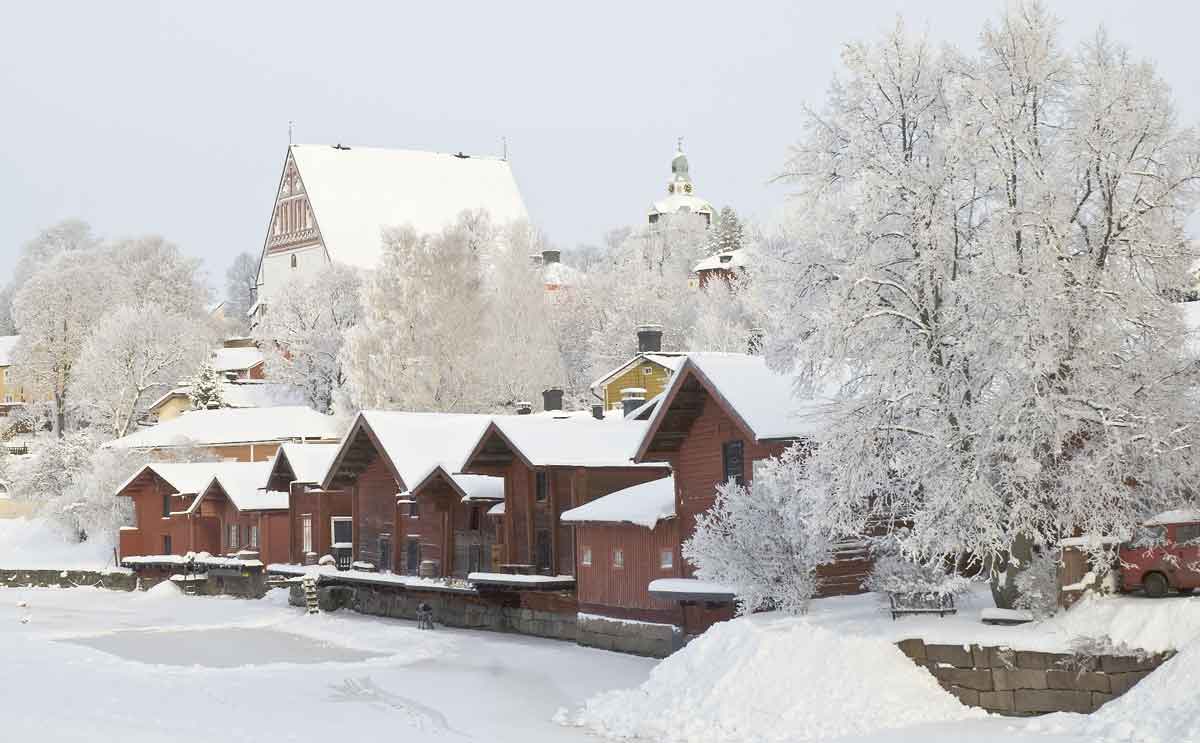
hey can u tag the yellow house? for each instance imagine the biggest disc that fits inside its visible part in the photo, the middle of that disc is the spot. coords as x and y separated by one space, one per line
648 371
10 394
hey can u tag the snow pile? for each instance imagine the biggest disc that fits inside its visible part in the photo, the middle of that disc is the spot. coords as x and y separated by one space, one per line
1152 625
35 543
162 592
1162 707
773 679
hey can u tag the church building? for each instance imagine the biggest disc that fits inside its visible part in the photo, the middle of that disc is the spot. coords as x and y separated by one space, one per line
333 201
681 194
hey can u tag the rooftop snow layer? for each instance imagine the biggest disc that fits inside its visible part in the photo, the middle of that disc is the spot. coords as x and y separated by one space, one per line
358 191
7 344
235 359
417 443
728 259
480 487
232 426
1178 516
245 483
309 462
188 478
574 439
247 394
761 397
644 505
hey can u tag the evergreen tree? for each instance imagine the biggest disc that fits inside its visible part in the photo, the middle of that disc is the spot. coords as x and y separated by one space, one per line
728 233
206 389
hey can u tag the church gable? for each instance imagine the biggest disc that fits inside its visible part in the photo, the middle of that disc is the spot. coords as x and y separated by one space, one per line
293 224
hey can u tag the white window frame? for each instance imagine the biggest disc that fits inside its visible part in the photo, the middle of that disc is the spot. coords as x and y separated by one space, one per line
618 557
254 537
666 559
306 533
585 556
333 529
231 533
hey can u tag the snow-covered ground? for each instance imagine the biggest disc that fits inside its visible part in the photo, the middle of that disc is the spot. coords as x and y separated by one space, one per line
33 543
104 665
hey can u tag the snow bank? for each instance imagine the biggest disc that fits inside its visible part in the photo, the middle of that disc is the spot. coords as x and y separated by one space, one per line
1161 708
35 543
757 679
1151 624
161 593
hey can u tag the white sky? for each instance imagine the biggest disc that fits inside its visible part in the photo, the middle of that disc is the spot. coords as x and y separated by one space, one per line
172 118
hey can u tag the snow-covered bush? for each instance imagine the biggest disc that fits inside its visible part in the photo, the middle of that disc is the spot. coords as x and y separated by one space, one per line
893 573
1037 585
760 540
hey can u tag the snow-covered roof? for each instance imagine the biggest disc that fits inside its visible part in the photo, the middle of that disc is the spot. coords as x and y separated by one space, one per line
1177 516
762 398
187 478
233 426
480 487
667 359
644 505
246 394
496 510
309 462
357 191
417 443
681 201
726 259
690 587
573 439
235 359
7 344
245 483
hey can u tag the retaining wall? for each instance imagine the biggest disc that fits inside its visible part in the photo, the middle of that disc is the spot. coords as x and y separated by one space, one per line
1016 682
639 638
117 580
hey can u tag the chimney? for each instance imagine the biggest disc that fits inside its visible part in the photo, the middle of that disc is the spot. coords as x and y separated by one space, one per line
552 399
524 407
598 412
535 260
649 338
550 256
632 398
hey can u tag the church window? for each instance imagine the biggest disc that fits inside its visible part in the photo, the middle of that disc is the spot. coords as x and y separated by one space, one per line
293 256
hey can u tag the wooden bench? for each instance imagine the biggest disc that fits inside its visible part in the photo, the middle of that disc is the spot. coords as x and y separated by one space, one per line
918 603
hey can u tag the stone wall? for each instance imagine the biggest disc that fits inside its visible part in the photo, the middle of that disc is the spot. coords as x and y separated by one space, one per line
640 638
117 580
1015 682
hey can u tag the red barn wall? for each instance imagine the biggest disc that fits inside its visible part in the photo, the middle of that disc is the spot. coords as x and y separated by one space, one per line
622 592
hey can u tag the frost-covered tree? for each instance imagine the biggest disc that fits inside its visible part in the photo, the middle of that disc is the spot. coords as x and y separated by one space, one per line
980 264
241 279
726 319
727 233
205 388
415 347
41 478
131 357
763 541
303 334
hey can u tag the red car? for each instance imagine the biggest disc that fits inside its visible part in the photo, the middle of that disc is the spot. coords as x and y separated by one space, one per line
1174 563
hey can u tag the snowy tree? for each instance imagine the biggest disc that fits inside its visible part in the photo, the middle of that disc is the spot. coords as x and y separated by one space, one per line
303 334
761 540
88 505
726 319
131 357
727 232
69 235
44 476
205 388
979 267
422 312
241 279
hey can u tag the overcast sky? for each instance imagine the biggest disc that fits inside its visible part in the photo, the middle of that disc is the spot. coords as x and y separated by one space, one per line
172 118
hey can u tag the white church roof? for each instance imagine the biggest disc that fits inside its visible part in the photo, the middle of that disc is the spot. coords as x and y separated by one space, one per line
357 191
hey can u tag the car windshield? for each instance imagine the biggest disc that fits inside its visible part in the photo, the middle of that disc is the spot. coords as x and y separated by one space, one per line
1148 536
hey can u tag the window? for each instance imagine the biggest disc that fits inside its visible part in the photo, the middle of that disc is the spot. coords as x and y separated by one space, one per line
414 509
618 557
385 553
166 505
412 557
647 371
342 528
731 456
586 558
246 535
306 544
233 535
1186 533
293 260
666 559
254 537
543 488
474 525
167 544
542 545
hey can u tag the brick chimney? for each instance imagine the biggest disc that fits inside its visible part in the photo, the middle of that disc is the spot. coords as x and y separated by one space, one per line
524 407
552 399
632 398
551 256
649 338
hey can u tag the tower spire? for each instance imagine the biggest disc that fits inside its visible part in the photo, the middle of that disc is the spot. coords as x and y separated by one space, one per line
291 126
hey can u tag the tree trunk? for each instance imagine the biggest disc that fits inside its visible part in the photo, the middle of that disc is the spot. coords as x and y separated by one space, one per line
60 415
1004 582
